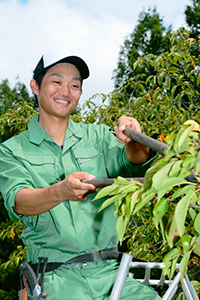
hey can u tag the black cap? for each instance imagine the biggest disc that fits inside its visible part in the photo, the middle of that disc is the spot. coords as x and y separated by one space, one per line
54 57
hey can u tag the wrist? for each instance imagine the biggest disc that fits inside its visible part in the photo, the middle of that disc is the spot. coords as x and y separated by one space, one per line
55 193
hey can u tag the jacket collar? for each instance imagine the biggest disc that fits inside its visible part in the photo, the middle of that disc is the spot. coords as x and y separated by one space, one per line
37 133
75 129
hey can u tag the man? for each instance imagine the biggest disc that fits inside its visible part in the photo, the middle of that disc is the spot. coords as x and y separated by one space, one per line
41 177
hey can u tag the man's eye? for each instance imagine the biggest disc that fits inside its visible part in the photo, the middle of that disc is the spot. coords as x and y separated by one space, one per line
56 82
75 86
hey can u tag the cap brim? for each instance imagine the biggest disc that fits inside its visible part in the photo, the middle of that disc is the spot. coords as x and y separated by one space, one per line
75 60
79 63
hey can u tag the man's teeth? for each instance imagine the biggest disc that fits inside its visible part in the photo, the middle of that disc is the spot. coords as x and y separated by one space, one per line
62 101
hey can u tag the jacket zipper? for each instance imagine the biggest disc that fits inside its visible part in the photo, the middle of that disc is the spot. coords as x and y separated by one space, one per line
86 159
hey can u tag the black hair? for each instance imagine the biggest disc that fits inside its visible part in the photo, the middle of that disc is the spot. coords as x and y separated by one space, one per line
38 80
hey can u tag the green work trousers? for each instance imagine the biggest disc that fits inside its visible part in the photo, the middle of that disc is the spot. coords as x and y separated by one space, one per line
92 281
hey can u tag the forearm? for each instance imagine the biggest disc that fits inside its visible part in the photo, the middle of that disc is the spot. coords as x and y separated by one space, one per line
31 202
136 152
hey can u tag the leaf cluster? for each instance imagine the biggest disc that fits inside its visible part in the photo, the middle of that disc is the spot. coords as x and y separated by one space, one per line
167 203
16 120
12 250
11 97
177 77
192 17
149 36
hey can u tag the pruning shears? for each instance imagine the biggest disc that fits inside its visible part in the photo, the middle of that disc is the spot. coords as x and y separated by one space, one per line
36 285
145 140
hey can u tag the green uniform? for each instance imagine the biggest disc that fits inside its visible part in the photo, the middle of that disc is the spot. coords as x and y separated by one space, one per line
33 160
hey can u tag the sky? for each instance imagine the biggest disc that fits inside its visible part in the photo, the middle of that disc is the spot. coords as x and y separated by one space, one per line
92 29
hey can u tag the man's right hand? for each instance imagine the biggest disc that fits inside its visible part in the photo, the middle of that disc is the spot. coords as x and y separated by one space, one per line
30 202
71 188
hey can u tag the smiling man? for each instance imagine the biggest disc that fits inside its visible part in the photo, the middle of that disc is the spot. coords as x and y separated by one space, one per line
41 181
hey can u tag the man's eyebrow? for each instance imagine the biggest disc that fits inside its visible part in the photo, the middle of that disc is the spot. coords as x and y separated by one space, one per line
60 75
76 78
57 74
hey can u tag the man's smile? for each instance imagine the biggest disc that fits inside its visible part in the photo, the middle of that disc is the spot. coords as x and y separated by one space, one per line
62 100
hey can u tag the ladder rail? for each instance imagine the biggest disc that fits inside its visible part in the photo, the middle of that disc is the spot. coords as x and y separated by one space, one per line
126 264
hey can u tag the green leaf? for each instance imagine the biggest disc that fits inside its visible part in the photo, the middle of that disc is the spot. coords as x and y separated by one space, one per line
121 180
123 210
160 79
162 227
148 178
121 227
134 199
130 188
155 223
161 194
197 223
176 168
173 90
150 55
143 202
171 182
136 63
163 64
156 95
154 80
168 259
182 191
161 175
186 242
168 85
108 202
198 166
173 266
197 246
181 212
106 191
160 209
172 233
184 264
192 213
189 162
184 135
128 200
148 79
198 80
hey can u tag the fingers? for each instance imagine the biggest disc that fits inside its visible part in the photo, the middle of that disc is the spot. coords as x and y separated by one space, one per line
121 137
119 130
76 190
79 176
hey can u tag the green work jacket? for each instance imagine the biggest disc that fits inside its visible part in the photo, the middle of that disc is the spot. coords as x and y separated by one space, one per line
33 160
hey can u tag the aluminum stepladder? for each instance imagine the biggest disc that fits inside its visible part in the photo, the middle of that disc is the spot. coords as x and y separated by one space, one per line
127 263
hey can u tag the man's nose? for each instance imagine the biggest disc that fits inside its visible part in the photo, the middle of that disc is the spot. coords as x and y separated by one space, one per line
65 89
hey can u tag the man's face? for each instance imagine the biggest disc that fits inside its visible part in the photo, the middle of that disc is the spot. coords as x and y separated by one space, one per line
59 92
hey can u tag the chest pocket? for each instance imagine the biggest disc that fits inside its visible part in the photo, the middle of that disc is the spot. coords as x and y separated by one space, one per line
41 169
91 160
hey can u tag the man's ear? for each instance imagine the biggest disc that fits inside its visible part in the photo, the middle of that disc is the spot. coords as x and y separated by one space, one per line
34 87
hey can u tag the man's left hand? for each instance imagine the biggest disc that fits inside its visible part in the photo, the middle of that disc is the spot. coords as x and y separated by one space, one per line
119 130
135 152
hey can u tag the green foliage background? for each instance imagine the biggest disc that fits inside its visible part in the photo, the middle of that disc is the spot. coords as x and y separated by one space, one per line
161 91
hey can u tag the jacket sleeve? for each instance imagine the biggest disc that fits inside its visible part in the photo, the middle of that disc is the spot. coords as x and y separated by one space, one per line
13 177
